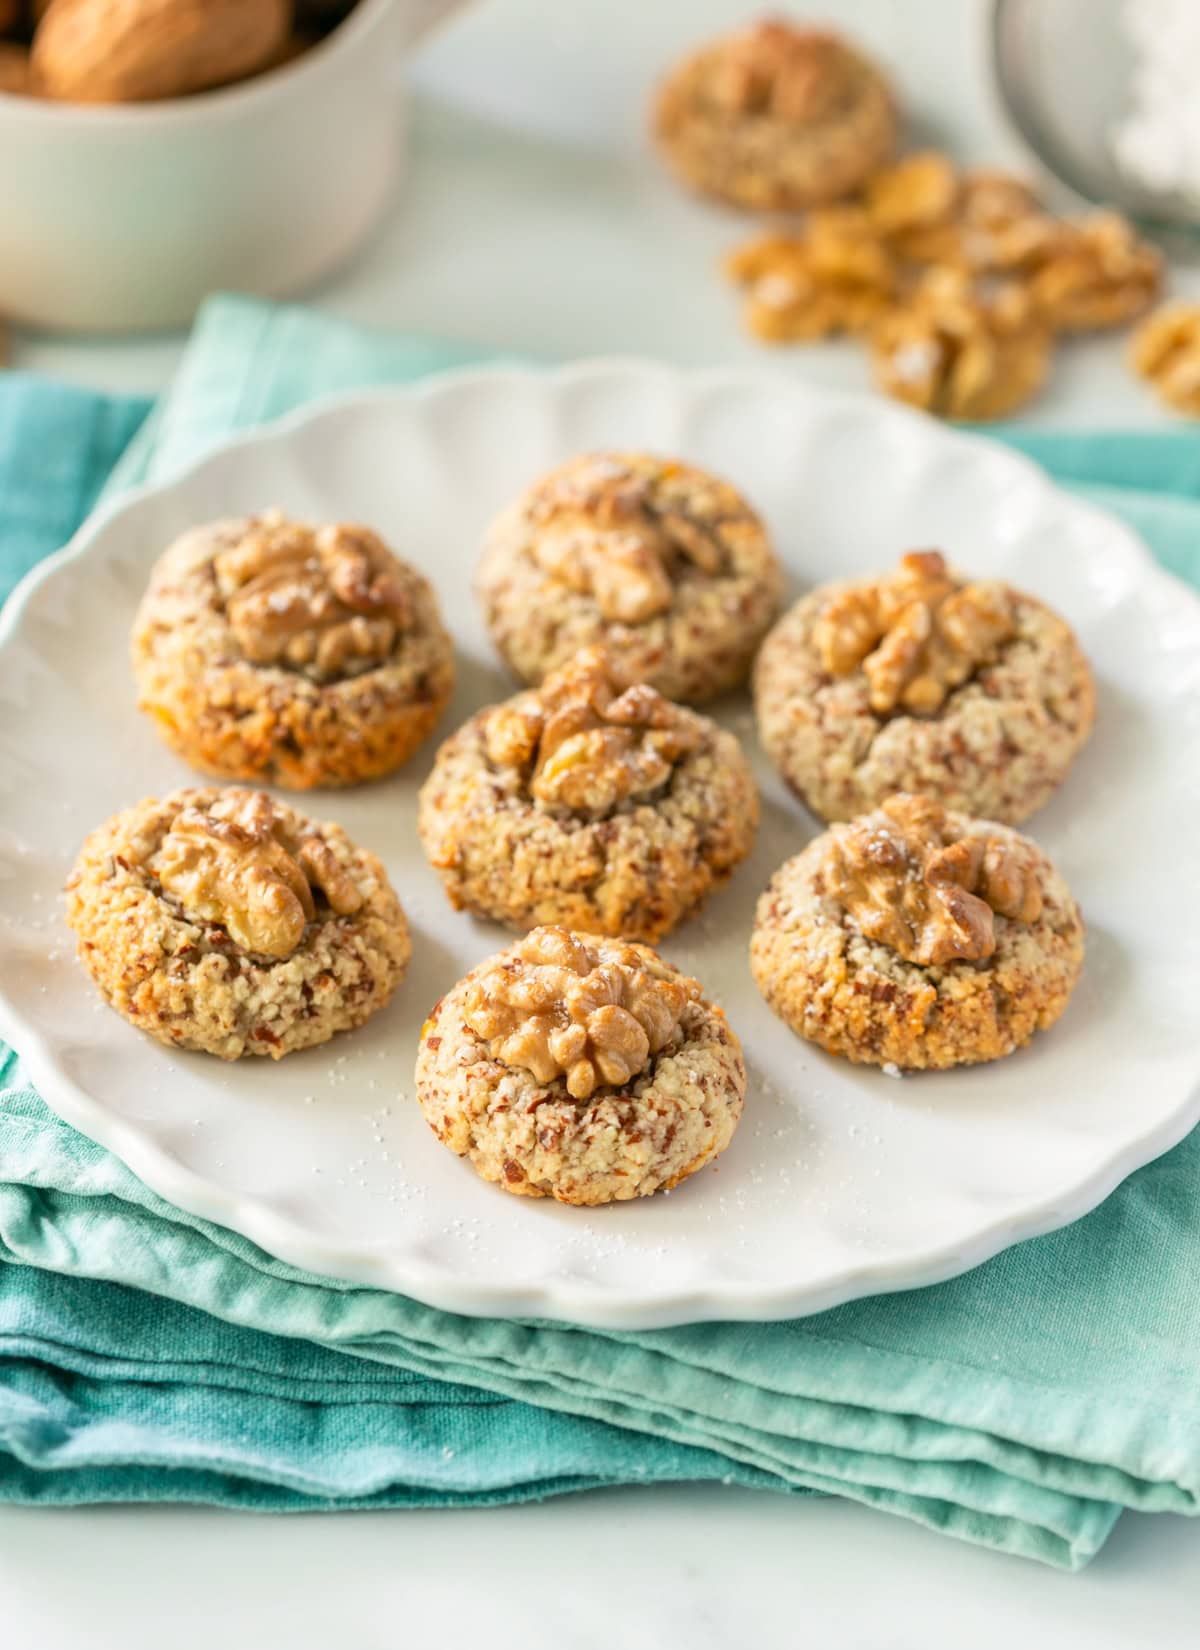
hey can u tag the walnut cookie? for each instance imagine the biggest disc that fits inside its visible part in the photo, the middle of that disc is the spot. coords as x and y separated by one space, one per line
589 802
969 691
269 650
918 938
775 117
668 567
226 922
580 1068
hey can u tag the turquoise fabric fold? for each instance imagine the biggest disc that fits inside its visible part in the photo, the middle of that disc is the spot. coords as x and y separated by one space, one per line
148 1355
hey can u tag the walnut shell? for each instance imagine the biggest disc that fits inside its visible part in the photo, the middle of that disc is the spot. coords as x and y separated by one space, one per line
134 51
16 77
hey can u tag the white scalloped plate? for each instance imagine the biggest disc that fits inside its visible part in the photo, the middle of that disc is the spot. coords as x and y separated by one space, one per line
841 1182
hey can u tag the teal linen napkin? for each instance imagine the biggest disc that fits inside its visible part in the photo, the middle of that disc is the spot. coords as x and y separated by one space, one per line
145 1354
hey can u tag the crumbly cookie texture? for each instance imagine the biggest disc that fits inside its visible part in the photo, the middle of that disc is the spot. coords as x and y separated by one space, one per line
580 1068
590 803
775 117
968 691
918 938
268 650
669 568
223 921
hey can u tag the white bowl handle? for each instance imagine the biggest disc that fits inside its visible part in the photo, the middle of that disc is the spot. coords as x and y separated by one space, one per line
426 15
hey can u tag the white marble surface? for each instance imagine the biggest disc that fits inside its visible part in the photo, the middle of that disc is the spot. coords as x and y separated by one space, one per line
671 1569
535 220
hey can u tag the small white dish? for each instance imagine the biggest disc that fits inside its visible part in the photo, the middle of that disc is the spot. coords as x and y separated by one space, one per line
841 1181
121 217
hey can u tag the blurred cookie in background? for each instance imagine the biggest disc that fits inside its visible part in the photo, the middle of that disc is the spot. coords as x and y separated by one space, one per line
775 117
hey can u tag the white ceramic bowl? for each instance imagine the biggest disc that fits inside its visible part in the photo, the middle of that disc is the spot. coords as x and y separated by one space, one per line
120 218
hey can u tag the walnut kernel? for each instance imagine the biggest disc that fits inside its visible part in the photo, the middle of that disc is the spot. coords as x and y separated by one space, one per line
1166 352
1095 274
954 350
980 222
565 1005
329 603
233 864
917 191
589 741
916 635
609 537
836 278
930 896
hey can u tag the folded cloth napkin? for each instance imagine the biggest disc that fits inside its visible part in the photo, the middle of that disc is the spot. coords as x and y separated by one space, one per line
145 1354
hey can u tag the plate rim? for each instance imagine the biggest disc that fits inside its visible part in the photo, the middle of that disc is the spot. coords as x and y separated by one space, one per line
557 1299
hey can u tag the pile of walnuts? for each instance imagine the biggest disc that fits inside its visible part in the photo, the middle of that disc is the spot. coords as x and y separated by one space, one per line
959 283
92 51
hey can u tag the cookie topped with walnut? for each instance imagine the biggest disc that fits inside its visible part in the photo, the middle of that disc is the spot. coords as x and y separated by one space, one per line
592 802
227 922
667 566
923 679
918 937
775 117
580 1068
265 649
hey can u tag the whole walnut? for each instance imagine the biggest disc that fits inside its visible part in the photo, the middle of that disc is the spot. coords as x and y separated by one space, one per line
134 51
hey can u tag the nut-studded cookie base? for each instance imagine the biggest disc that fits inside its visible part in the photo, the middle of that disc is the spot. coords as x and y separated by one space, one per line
251 930
608 810
266 651
858 997
995 742
667 567
526 1130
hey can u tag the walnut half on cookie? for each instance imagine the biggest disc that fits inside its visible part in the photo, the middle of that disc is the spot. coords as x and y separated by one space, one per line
580 1068
665 565
226 922
966 690
917 937
268 650
589 802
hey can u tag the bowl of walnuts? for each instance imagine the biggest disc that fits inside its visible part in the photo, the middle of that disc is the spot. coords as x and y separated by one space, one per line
157 150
